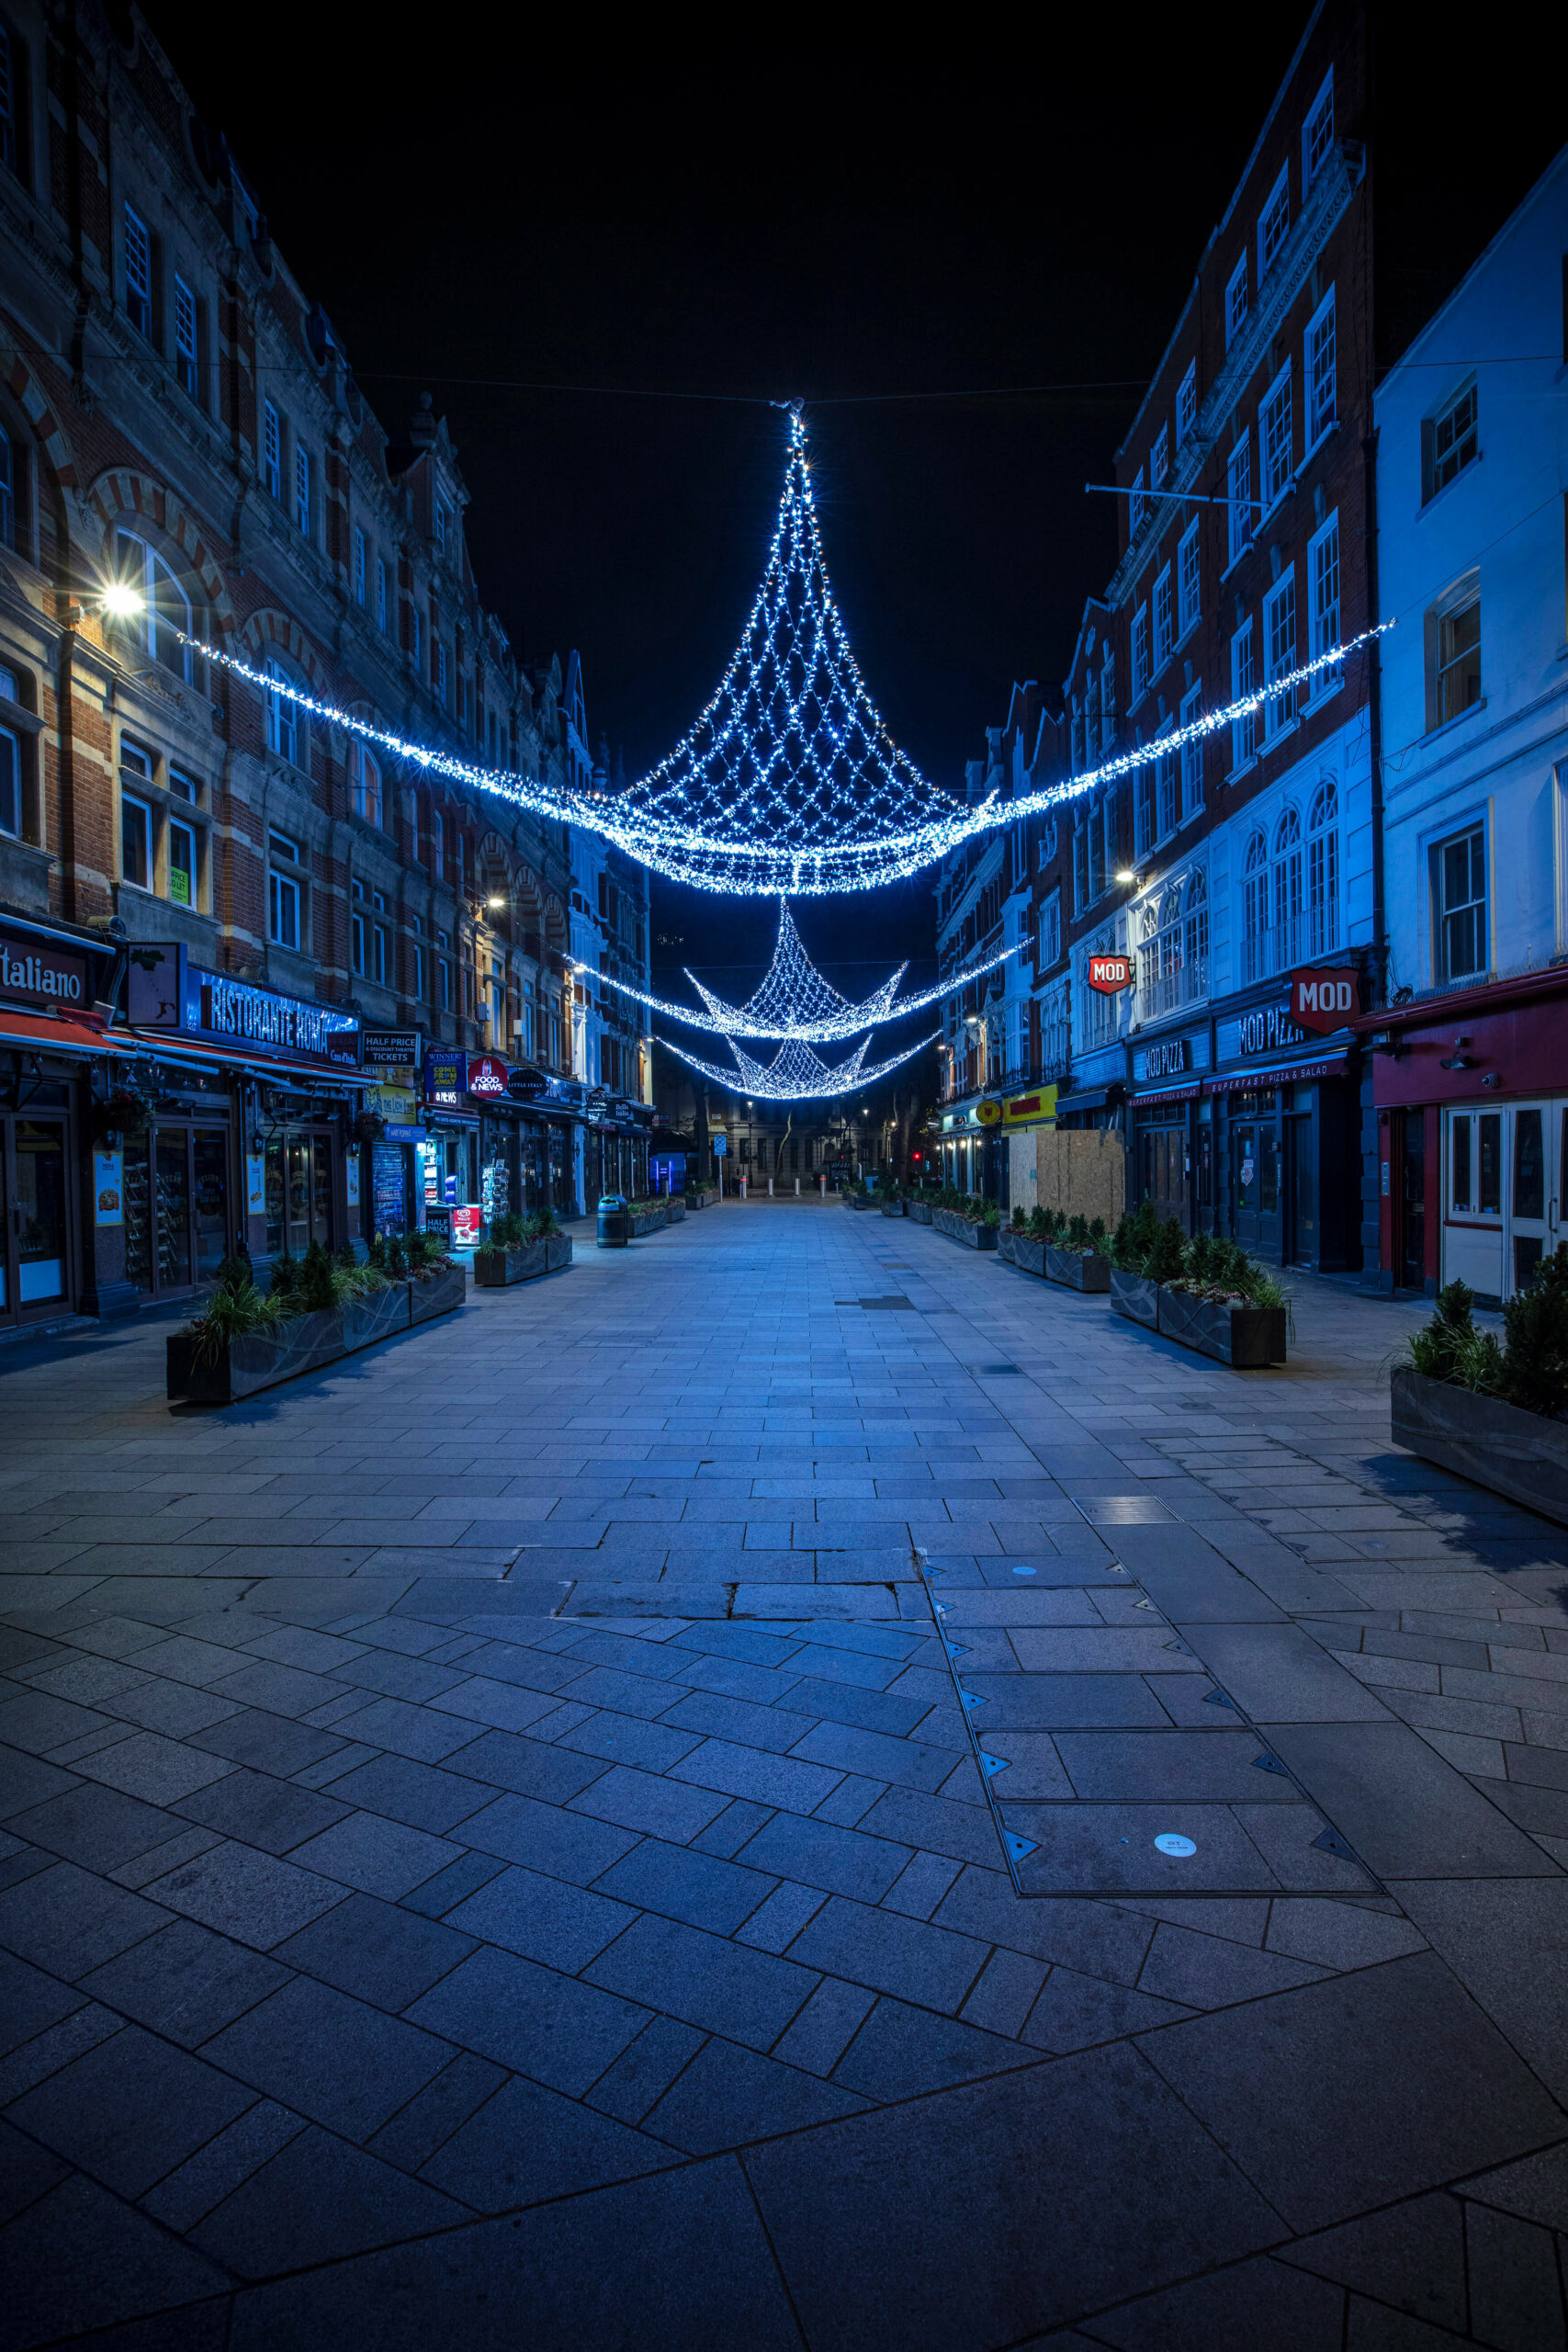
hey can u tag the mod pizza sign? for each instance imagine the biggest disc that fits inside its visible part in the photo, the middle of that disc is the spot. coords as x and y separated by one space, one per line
1109 974
1324 1001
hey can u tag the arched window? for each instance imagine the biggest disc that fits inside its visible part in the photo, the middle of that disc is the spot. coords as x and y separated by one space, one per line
363 782
286 731
1323 870
1195 936
1255 910
1288 893
164 624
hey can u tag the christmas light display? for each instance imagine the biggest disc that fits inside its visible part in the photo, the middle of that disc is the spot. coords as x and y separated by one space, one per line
795 1074
788 781
795 1000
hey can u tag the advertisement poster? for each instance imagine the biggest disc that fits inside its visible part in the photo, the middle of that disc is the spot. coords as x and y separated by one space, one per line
466 1227
108 1187
351 1170
255 1185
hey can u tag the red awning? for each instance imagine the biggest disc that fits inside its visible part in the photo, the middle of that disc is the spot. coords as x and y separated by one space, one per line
59 1035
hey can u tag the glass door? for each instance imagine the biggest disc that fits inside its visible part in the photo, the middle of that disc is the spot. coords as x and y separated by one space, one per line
171 1194
209 1195
37 1254
1533 1188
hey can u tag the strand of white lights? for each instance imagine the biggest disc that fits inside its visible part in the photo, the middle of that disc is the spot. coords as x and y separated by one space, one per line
795 1000
795 1074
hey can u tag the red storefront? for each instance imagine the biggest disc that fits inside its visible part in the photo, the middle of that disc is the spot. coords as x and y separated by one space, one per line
1470 1098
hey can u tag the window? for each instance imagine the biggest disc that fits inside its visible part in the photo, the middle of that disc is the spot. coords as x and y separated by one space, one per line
1235 303
282 717
1274 223
10 766
1317 133
1050 931
1255 910
182 864
1191 755
1244 681
416 972
359 567
272 451
1475 1160
441 526
440 671
1322 387
365 783
1159 458
1137 506
413 633
379 936
1323 870
1187 402
284 893
138 274
444 983
1173 960
1164 632
187 366
1166 809
165 622
381 595
1143 824
302 490
182 786
1238 490
1140 652
1323 575
135 841
1280 640
1457 656
1288 891
356 929
1459 890
1099 1015
1108 700
1452 439
1188 600
1274 439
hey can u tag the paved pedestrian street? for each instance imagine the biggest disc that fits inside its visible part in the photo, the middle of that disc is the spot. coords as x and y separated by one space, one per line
497 1850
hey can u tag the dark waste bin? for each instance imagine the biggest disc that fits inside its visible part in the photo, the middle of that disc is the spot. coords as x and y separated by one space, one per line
615 1222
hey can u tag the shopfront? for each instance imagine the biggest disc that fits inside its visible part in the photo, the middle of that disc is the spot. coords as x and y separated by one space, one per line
1471 1096
178 1189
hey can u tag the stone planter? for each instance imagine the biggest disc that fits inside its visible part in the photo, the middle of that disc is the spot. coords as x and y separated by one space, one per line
919 1210
438 1294
965 1229
675 1208
1018 1251
891 1208
1078 1269
1136 1297
1248 1337
854 1201
702 1197
1522 1455
376 1317
558 1250
650 1218
255 1359
495 1269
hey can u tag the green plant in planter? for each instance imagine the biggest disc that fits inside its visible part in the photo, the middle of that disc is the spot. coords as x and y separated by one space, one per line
1097 1235
235 1308
284 1281
1135 1237
1535 1343
425 1251
1019 1223
991 1215
1078 1233
1167 1253
318 1290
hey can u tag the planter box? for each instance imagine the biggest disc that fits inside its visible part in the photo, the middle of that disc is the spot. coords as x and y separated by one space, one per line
891 1208
256 1360
1522 1455
647 1220
854 1201
1018 1251
1077 1270
439 1293
558 1250
920 1211
376 1318
962 1228
496 1269
1248 1337
702 1197
1136 1297
675 1208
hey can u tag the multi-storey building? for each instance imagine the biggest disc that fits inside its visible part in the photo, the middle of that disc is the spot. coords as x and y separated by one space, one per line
186 459
1470 1060
1219 870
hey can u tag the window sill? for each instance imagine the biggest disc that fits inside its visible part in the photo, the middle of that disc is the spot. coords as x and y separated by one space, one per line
1327 436
1435 496
1280 735
1435 734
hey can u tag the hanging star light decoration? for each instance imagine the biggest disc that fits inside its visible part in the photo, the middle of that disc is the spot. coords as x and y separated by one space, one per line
788 780
795 1074
795 1000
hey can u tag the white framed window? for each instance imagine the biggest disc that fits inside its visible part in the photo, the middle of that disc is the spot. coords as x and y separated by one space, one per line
358 567
416 972
444 983
1321 371
365 783
1167 805
284 893
1159 458
1137 506
356 929
1107 699
137 273
1274 439
184 787
441 519
1322 869
187 356
1243 683
1453 654
1187 402
1450 438
10 481
183 867
1173 958
1238 490
1274 222
1288 893
381 594
302 490
1254 909
1144 818
163 626
1100 1017
1318 131
1140 652
1188 578
1280 651
1235 302
1323 577
282 716
272 451
135 841
1458 905
378 938
1164 621
1050 931
440 671
1191 755
414 634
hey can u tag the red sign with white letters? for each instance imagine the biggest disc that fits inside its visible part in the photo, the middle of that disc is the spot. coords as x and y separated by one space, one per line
1109 974
487 1074
1324 1001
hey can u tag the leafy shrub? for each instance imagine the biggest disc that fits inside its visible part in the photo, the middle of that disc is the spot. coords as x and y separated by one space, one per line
388 1255
1039 1224
235 1308
1535 1343
1019 1223
1097 1235
284 1281
1166 1261
991 1215
1135 1237
1078 1233
1450 1347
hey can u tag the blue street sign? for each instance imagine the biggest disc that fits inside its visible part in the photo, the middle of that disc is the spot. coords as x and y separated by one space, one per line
720 1145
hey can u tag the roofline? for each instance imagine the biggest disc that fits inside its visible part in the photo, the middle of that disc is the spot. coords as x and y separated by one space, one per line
1558 163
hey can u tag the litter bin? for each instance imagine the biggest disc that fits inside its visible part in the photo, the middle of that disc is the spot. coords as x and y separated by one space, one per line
615 1222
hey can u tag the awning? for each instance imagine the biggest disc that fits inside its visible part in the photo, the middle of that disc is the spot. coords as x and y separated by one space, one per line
1093 1098
42 1029
1247 1082
194 1053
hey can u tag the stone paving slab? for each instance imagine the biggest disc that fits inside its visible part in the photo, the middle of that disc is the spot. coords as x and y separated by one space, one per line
598 1927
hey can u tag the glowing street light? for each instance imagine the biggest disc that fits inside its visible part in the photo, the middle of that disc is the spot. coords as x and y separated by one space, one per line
121 601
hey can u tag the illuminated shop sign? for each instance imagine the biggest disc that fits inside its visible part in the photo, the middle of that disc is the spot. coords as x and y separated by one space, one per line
168 992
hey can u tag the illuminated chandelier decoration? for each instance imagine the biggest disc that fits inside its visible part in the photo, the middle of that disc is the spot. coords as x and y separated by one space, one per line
795 1000
795 1074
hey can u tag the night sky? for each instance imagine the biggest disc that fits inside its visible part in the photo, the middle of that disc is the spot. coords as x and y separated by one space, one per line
697 228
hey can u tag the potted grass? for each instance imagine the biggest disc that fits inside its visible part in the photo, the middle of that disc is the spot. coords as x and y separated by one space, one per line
315 1309
964 1217
919 1205
889 1199
1137 1254
436 1284
1495 1413
520 1249
647 1216
1022 1243
1223 1304
1078 1253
